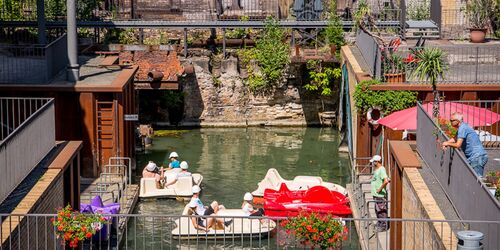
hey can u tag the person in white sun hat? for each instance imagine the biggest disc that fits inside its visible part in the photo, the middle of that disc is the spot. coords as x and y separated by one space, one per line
174 162
247 206
200 209
151 170
184 173
206 222
379 192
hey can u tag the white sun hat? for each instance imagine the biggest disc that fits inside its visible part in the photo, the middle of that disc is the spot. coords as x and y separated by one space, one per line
184 165
376 158
195 189
173 155
151 166
248 197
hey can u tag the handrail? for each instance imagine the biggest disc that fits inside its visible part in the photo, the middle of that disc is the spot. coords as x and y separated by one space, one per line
28 119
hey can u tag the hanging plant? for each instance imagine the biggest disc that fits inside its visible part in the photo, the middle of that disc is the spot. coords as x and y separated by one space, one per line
387 100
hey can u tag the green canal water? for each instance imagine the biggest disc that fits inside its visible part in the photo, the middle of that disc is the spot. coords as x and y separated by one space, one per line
232 162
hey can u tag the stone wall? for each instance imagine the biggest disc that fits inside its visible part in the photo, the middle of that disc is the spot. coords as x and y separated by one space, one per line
227 101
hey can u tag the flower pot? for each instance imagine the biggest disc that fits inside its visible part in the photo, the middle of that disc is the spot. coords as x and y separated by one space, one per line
395 78
244 72
477 35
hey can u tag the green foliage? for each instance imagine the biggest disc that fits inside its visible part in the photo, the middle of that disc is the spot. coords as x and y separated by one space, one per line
334 32
480 13
431 64
389 100
394 64
272 56
122 36
321 77
418 10
245 56
173 99
360 14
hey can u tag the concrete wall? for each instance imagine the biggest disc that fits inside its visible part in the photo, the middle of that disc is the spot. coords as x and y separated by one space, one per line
25 235
227 101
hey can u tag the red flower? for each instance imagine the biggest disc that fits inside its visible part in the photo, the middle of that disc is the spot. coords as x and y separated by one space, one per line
67 236
60 228
88 235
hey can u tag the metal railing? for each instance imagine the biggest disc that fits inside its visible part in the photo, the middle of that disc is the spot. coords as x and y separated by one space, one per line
32 63
22 120
204 10
467 64
36 231
457 178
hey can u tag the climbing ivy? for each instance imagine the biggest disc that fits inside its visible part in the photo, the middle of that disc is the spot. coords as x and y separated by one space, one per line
388 100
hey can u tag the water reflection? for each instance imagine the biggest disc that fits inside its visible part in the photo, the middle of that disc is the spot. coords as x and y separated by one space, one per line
233 160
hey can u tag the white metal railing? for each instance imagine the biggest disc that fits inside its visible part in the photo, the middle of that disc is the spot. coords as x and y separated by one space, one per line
28 134
36 231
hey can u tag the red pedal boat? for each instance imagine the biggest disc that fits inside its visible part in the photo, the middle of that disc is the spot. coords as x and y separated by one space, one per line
316 199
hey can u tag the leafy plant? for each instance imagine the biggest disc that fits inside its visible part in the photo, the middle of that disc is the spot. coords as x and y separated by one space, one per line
418 10
334 31
272 56
394 64
73 226
480 13
388 100
245 56
321 77
431 64
323 231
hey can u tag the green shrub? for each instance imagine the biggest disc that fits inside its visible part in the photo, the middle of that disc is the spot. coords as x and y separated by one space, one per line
388 100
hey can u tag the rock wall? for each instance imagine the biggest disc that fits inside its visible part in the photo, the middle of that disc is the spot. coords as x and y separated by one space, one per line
227 101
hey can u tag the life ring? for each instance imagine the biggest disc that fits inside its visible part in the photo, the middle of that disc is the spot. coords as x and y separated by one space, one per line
373 115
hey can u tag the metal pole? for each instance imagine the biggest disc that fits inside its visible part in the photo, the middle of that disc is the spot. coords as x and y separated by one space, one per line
185 42
477 63
40 16
224 42
73 71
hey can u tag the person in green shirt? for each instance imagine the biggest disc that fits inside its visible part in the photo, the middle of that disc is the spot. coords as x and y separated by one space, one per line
379 192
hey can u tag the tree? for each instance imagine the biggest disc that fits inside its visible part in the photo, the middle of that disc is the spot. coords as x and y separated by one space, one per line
431 65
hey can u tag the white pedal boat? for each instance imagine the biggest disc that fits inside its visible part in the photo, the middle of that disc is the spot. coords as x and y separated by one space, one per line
242 226
182 188
273 180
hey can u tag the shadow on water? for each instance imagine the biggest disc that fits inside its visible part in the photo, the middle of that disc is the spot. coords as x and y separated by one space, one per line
232 162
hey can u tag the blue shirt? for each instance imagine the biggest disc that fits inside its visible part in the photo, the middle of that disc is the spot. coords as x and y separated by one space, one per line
175 164
471 145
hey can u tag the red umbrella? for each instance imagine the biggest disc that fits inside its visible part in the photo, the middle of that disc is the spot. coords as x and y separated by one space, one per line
474 116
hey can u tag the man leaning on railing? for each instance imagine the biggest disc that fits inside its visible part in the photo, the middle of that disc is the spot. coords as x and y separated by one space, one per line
379 192
468 140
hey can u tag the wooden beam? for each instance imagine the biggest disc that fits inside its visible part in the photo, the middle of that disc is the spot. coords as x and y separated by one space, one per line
404 155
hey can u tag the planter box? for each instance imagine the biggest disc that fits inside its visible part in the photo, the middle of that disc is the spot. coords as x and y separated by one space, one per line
395 78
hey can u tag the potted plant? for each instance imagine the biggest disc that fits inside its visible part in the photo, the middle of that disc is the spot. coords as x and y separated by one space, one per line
316 230
430 65
479 13
73 227
394 69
